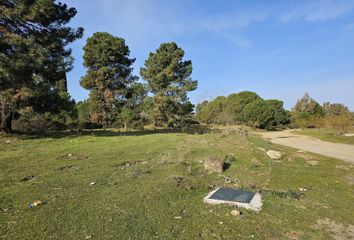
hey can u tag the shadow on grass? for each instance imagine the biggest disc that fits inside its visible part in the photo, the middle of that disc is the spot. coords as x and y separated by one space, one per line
116 133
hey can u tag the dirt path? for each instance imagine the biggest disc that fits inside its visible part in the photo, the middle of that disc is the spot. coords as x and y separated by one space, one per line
336 150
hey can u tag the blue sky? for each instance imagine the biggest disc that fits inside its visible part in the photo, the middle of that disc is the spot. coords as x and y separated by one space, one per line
277 48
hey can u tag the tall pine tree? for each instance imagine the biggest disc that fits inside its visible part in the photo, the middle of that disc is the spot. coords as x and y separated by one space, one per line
109 76
33 56
168 79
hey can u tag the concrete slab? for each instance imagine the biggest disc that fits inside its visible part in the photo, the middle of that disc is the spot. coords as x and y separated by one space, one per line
236 197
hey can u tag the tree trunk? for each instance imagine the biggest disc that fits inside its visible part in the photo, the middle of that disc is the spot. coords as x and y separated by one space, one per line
6 119
125 126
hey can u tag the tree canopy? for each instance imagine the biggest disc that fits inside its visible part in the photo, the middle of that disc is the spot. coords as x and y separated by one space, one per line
243 108
33 56
168 78
109 76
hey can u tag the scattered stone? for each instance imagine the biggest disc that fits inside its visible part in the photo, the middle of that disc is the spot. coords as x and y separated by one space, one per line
178 217
92 183
214 165
235 213
227 180
343 167
89 237
27 178
127 163
7 141
349 134
255 163
221 223
211 186
312 163
274 154
262 149
70 155
303 189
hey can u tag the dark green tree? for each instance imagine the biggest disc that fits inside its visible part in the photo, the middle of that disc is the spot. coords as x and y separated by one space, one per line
265 114
109 76
33 57
212 112
133 109
169 79
83 114
235 104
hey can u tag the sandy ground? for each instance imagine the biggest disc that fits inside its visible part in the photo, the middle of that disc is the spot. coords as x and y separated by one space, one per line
336 150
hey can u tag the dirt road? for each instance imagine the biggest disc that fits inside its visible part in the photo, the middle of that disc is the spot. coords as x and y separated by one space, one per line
336 150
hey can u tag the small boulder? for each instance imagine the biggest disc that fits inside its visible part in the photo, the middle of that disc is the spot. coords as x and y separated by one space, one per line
214 165
274 154
235 213
312 163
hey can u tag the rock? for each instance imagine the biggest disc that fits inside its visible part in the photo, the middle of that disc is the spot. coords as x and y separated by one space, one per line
27 178
214 165
255 163
312 163
235 213
349 135
274 154
92 183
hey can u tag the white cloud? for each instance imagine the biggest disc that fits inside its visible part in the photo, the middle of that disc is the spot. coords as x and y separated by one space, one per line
318 10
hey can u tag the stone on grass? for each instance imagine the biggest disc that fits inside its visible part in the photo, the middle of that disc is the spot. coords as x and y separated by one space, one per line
274 154
312 163
214 165
235 213
349 134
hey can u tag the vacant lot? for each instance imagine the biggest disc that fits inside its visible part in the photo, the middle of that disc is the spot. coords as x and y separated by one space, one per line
149 185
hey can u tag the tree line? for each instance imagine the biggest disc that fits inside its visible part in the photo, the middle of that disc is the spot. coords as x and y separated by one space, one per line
243 108
35 57
250 109
34 60
309 113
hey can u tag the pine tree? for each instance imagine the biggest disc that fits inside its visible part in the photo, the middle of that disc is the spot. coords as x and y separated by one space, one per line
33 56
168 79
109 76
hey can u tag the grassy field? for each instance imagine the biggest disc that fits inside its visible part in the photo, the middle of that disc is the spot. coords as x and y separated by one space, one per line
151 185
327 134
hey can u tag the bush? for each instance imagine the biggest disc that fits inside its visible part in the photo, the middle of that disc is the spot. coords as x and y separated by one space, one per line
37 123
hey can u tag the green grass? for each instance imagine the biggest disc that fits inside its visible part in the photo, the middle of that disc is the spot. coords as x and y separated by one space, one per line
141 200
326 134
